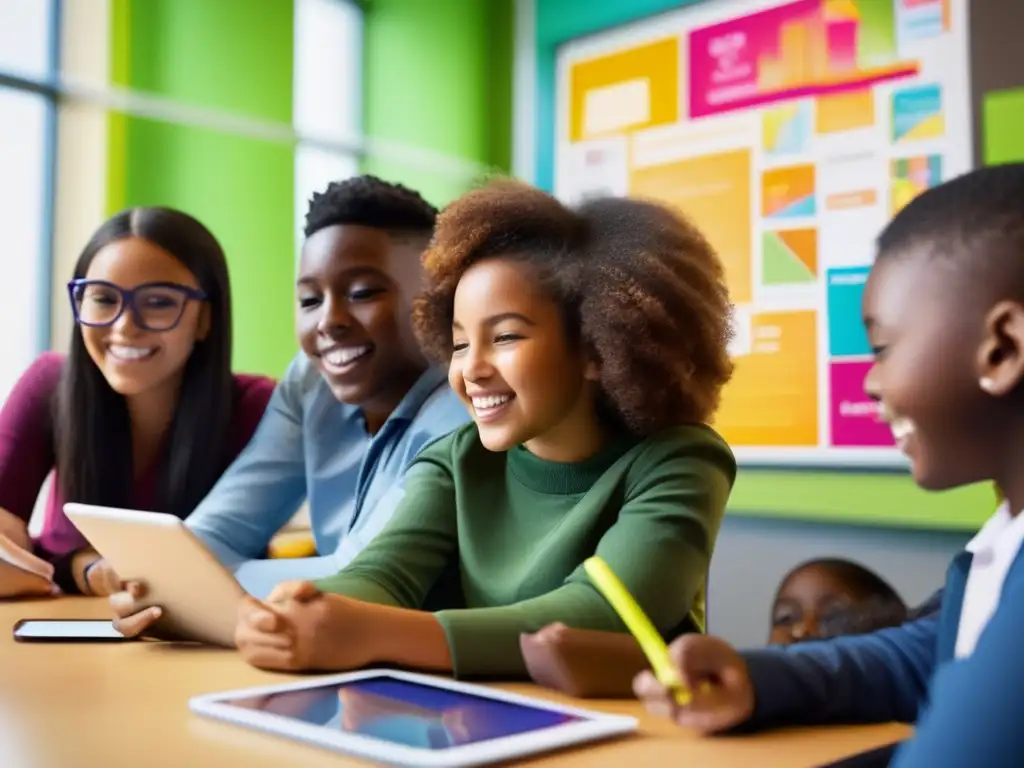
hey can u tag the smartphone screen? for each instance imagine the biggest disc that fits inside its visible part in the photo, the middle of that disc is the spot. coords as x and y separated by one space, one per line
68 630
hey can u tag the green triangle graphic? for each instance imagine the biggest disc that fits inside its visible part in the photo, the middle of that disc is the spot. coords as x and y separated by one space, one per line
779 265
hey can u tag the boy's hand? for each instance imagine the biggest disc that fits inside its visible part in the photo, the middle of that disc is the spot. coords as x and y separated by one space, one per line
723 695
583 663
298 628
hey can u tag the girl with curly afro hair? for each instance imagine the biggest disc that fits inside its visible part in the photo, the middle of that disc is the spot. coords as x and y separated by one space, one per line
589 346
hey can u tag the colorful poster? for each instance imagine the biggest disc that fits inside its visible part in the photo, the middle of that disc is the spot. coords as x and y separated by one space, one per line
802 48
877 44
789 257
840 112
786 130
794 131
629 90
910 176
917 113
773 396
850 181
854 418
788 192
922 19
713 190
846 335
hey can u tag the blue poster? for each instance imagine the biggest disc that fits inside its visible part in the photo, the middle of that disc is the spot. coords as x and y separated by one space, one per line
846 335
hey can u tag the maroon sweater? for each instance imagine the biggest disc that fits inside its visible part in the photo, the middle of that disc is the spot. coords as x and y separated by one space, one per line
27 449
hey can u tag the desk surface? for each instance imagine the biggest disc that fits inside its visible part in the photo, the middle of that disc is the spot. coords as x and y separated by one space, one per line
126 704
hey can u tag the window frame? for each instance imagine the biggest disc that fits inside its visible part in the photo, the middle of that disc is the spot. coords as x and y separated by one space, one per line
47 89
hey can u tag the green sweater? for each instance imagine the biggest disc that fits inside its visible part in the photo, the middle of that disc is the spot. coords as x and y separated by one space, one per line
520 528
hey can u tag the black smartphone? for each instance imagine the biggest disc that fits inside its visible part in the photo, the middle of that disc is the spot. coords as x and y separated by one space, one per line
67 631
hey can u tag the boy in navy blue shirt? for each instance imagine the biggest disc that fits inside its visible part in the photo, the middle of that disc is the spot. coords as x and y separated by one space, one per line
944 311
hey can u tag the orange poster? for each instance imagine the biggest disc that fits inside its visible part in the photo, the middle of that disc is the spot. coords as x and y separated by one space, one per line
772 399
848 111
788 192
714 192
633 89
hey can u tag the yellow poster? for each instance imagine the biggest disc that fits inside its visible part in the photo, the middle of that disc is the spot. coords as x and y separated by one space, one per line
629 90
773 396
714 192
848 111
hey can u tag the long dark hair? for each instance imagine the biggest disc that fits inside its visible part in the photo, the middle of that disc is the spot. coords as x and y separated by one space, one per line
93 428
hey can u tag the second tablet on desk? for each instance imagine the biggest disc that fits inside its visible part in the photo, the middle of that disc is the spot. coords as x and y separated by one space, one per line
402 718
199 597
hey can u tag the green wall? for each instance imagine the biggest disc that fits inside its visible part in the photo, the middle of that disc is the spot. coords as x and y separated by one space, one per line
233 56
1003 117
438 76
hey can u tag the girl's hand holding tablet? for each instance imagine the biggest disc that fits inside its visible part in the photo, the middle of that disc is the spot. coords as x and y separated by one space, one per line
300 628
132 619
94 575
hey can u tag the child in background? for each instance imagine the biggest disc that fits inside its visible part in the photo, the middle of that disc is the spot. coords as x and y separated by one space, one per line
144 411
831 597
944 311
590 347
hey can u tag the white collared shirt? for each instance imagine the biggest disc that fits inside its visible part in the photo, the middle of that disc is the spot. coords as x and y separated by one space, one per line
994 548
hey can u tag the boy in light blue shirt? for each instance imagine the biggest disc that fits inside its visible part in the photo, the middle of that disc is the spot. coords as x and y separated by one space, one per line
354 407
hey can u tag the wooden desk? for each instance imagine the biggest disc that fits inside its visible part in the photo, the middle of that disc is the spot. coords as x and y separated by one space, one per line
126 704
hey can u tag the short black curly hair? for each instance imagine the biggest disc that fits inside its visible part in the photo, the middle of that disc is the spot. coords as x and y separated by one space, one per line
976 218
370 202
639 286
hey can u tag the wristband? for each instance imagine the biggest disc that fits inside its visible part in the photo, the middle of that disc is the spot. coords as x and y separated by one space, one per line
85 574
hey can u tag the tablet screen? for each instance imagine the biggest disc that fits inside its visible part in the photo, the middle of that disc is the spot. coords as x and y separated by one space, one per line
403 712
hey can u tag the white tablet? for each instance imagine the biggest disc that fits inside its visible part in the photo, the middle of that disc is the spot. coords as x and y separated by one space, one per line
402 718
198 595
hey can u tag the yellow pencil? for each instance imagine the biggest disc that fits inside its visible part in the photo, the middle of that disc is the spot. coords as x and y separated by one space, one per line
636 621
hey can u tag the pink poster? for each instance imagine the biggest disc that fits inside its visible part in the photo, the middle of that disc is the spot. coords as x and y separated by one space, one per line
855 417
797 49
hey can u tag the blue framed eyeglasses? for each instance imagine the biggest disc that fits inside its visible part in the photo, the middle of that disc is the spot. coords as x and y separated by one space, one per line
154 306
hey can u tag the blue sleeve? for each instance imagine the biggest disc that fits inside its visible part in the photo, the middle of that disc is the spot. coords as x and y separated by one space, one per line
264 487
874 678
974 715
259 577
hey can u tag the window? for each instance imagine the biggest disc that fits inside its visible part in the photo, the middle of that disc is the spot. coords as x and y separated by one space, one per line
25 38
326 108
27 114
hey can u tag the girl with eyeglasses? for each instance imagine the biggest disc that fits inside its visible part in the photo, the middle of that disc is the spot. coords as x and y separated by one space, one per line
143 412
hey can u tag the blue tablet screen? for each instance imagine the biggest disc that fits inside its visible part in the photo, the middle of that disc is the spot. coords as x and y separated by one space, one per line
403 712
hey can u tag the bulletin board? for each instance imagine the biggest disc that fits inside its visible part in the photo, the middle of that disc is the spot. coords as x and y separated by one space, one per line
789 132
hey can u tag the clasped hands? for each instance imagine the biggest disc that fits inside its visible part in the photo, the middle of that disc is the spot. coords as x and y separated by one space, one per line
296 628
300 628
